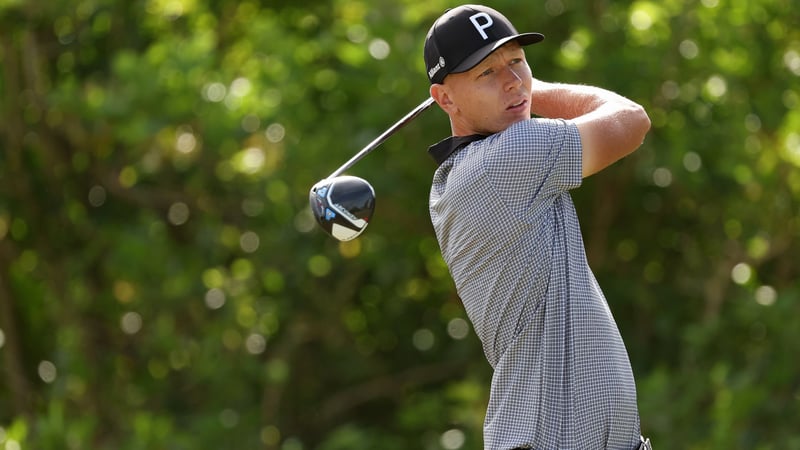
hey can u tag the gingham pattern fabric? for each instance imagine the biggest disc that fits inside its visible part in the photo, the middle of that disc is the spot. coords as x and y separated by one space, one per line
510 235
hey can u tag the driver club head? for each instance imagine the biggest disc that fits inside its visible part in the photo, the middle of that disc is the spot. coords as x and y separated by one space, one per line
342 205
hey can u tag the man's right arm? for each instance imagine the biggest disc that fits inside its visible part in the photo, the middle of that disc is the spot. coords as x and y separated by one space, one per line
611 126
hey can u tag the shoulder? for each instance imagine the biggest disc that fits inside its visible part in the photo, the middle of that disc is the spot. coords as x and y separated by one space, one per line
541 135
540 127
534 158
538 138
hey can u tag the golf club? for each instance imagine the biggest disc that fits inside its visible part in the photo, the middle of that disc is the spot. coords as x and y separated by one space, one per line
343 205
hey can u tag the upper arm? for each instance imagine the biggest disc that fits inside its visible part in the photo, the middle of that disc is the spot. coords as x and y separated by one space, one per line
532 162
609 133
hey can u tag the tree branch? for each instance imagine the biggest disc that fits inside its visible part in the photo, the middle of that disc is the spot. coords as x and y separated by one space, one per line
18 383
341 402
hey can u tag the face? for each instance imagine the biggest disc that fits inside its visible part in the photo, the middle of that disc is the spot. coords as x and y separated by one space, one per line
491 96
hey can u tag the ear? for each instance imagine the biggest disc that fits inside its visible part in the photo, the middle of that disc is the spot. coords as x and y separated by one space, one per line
441 95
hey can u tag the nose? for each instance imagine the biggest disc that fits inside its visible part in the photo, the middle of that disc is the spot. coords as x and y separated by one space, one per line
513 79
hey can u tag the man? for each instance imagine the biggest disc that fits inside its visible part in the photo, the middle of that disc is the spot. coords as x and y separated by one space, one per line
507 228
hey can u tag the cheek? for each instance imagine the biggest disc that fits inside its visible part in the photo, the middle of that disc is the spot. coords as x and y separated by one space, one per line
526 75
478 107
483 96
478 102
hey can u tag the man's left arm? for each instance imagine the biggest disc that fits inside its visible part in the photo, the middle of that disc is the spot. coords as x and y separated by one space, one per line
610 125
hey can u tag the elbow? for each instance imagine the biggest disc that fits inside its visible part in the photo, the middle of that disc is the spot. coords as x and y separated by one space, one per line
639 126
643 121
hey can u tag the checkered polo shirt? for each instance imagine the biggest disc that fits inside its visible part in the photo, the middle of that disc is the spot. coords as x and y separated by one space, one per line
509 233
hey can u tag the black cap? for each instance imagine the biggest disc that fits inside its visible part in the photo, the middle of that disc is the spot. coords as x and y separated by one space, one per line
464 36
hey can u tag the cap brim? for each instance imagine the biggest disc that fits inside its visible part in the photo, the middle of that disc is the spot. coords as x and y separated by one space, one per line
475 58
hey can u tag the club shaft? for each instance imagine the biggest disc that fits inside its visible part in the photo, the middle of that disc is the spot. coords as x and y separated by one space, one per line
385 135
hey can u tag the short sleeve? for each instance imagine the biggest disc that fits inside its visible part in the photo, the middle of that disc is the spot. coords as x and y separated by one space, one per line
534 161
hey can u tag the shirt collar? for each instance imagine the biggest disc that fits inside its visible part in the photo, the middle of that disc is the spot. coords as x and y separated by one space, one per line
442 150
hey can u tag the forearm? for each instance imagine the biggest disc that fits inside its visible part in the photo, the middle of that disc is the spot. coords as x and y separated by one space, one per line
570 101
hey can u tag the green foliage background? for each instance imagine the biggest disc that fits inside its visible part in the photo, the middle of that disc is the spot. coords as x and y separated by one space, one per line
162 284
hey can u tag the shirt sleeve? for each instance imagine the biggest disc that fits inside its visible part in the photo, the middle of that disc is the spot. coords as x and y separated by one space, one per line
534 161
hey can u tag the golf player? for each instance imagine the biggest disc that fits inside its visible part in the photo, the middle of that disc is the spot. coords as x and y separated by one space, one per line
508 230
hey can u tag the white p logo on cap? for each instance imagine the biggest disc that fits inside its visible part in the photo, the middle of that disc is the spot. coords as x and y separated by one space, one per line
480 27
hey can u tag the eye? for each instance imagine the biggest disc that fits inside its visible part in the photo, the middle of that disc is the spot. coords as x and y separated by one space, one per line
486 72
516 61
